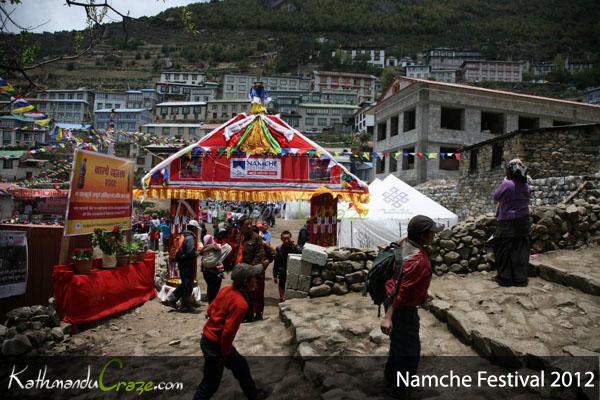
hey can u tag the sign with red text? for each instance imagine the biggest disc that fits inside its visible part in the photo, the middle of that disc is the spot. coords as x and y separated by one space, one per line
100 195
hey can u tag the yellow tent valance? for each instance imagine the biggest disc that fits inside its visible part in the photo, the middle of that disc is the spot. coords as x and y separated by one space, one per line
251 195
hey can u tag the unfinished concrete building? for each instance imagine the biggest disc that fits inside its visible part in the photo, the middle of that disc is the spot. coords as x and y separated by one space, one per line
420 125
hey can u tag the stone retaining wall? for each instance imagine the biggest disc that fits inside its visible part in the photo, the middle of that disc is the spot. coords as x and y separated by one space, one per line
475 198
463 248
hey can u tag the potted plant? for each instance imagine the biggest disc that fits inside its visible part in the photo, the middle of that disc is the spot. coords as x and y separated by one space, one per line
83 260
138 250
108 242
122 254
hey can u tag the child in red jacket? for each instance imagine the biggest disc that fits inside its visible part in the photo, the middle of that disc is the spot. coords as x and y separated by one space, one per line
225 314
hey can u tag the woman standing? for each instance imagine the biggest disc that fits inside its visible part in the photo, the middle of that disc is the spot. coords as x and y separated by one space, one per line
511 240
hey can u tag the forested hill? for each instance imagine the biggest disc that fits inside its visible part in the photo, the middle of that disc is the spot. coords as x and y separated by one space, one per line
504 28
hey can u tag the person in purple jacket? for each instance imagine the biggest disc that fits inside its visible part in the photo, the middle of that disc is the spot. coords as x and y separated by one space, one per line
511 240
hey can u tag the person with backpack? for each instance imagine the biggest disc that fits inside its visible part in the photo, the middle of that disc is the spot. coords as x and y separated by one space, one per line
166 233
408 271
186 258
304 234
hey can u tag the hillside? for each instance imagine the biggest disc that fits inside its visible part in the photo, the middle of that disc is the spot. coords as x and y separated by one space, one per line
268 36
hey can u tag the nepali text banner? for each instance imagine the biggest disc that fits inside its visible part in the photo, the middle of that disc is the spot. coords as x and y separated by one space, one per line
100 193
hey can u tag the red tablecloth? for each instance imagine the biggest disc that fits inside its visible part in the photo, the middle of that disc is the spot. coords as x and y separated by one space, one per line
103 292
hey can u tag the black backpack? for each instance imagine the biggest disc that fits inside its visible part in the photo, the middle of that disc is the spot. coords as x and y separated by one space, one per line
384 269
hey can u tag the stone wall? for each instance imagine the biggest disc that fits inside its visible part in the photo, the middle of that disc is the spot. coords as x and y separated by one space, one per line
463 248
559 160
32 330
476 199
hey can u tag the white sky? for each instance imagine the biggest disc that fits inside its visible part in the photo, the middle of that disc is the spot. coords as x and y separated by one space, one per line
55 15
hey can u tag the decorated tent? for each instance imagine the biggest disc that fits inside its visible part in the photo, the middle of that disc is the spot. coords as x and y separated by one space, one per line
393 204
254 157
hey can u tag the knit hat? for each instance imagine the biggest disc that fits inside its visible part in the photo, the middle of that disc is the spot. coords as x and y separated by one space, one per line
242 272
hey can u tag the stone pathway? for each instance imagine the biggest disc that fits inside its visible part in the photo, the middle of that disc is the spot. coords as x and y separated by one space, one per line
542 319
575 268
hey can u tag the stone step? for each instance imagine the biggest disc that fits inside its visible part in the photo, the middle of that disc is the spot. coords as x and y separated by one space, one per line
542 320
579 269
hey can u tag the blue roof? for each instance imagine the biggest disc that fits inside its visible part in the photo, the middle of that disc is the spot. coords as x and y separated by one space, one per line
64 125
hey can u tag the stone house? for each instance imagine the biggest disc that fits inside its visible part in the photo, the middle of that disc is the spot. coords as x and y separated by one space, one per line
422 120
559 159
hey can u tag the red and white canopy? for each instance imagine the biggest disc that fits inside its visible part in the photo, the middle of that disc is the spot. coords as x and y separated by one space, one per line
254 157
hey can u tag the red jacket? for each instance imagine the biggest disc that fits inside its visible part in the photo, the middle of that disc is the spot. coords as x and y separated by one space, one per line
225 313
416 277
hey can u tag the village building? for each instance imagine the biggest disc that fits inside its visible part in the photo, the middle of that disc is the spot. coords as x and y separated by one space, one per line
421 125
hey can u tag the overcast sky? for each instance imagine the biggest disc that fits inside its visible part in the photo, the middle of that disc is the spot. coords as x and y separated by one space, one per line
54 15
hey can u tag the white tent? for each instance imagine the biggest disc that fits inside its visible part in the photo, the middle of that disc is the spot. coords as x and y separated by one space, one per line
393 203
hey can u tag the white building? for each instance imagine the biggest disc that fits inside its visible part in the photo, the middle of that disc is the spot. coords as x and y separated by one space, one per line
190 132
418 71
374 56
237 86
71 106
188 78
223 110
364 119
343 82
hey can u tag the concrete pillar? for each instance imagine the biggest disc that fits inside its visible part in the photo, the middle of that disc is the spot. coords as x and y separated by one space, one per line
422 135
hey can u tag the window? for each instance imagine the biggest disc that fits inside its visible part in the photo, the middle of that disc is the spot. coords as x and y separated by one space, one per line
393 164
309 121
322 121
151 129
179 131
410 120
408 158
452 118
381 134
473 161
380 165
492 122
191 131
7 164
448 162
394 126
166 131
214 115
186 110
528 123
497 153
561 123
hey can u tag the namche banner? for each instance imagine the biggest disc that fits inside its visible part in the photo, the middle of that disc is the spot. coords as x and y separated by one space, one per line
100 194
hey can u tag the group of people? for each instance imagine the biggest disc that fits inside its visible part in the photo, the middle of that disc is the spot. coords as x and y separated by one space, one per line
406 291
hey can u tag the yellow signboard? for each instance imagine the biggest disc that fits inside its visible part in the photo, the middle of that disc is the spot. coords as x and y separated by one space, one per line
100 195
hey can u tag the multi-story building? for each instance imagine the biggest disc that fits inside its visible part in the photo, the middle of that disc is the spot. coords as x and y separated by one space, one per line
373 55
188 78
18 131
424 123
418 71
316 117
189 132
545 67
192 111
144 98
364 119
592 95
499 71
332 96
174 91
343 82
237 86
110 100
443 58
126 119
71 106
223 110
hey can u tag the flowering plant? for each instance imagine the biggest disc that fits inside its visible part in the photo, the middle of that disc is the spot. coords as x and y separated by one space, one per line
83 254
109 242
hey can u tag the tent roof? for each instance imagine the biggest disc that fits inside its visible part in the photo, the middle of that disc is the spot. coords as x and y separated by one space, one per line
252 137
394 199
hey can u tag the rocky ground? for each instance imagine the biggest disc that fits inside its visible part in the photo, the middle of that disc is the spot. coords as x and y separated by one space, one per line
332 348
